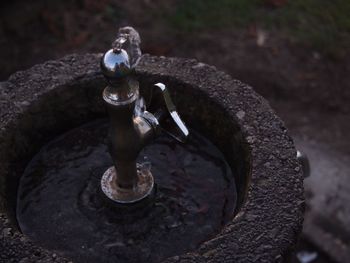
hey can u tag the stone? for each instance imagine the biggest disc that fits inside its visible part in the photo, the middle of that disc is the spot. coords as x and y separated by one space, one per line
78 78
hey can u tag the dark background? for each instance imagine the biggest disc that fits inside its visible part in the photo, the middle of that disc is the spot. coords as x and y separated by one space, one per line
295 53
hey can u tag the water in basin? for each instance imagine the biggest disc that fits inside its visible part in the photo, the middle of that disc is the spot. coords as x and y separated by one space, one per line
60 205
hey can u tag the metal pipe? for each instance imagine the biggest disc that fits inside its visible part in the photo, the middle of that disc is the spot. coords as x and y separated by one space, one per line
131 126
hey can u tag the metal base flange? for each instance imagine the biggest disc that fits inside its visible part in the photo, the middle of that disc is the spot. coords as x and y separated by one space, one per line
142 189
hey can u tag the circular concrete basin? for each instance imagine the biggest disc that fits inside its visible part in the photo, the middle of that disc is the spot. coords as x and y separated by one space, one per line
51 98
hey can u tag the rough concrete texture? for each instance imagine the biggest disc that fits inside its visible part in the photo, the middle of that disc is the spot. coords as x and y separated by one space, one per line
269 219
324 137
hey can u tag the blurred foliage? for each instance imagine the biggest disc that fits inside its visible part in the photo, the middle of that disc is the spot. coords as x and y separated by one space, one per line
197 14
323 24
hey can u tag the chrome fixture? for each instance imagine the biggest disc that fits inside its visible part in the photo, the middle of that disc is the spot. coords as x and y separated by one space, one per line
132 126
305 163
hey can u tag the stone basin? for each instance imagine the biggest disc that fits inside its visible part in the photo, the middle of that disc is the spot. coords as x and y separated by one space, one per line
49 99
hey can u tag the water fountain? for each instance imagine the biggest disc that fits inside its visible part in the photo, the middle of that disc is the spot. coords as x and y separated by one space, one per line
232 192
132 126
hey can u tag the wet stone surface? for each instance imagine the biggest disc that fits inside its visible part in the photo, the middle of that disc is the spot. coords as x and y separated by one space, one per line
61 207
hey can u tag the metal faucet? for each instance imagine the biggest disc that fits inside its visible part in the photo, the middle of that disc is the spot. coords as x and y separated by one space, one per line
132 126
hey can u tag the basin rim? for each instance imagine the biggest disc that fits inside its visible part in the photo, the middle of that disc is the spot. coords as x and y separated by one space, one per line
271 217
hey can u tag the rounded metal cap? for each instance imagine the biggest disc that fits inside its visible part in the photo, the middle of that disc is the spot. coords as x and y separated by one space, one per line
115 63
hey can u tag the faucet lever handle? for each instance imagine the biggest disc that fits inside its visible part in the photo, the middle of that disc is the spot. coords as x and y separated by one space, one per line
167 115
